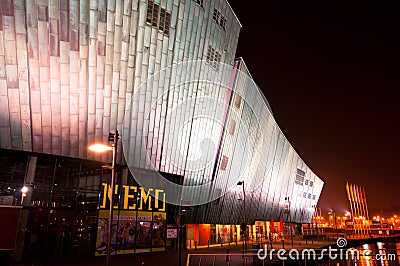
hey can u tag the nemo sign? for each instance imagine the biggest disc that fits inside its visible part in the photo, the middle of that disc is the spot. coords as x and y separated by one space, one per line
134 198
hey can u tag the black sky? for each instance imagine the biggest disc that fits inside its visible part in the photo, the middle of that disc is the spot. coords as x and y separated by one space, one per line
330 71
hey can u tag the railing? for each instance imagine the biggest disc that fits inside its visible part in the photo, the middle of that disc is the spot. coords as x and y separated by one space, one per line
387 257
218 259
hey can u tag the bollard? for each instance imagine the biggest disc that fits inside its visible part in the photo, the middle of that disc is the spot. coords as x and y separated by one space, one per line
283 244
306 241
208 243
227 255
195 245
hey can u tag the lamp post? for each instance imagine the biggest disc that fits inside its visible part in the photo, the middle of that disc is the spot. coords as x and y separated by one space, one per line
348 214
334 220
102 148
290 219
244 227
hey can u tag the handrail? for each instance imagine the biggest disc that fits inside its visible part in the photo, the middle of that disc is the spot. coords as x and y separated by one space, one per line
247 256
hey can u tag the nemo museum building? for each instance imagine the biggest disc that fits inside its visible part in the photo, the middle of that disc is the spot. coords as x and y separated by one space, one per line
192 135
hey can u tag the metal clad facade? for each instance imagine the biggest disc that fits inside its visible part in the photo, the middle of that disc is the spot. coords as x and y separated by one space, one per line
69 70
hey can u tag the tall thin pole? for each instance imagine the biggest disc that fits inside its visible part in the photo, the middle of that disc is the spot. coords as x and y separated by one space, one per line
337 233
244 217
290 220
110 215
291 224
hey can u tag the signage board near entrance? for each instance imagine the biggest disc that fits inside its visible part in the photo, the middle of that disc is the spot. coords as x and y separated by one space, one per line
172 233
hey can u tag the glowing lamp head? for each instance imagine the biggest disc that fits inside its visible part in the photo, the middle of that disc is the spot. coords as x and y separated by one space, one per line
100 147
24 189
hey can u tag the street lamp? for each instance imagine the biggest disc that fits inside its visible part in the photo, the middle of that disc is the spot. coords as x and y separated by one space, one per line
24 191
102 148
290 217
334 219
243 226
348 214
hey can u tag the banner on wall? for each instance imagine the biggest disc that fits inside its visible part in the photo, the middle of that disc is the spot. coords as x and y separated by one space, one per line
132 232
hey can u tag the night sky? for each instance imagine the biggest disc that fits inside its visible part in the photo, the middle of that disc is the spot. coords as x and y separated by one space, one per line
330 71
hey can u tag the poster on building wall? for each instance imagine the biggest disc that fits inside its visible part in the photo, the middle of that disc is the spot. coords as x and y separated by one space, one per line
172 233
223 233
123 236
133 232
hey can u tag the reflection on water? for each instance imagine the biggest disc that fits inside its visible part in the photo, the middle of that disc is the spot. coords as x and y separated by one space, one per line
377 254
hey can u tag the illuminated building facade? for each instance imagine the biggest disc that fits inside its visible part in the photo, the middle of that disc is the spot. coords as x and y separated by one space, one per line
72 71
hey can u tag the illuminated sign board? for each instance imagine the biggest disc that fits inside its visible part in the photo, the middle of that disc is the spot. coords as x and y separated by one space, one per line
134 198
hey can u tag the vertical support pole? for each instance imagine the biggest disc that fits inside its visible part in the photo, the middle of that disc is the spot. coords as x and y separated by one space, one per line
110 215
24 215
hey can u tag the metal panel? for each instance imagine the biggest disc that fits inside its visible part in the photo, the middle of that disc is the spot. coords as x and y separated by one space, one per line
69 68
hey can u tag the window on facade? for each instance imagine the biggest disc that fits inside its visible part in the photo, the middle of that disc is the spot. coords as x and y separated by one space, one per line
200 2
232 126
167 24
309 196
150 7
224 162
219 18
304 195
165 19
222 22
213 57
300 177
311 183
238 100
162 19
313 197
306 182
216 15
158 17
154 21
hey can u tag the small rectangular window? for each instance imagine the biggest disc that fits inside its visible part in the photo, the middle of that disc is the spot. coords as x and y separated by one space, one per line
154 21
162 19
149 11
313 197
222 22
301 172
306 182
219 19
224 162
216 15
300 177
238 100
311 183
167 23
213 57
309 196
158 17
304 195
232 126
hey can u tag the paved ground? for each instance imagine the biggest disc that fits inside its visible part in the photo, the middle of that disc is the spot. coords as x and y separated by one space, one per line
171 257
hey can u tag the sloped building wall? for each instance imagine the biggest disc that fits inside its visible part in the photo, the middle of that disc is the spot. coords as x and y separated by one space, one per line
71 71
